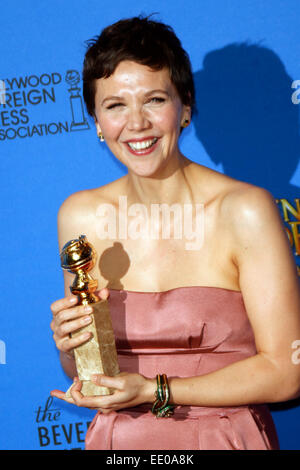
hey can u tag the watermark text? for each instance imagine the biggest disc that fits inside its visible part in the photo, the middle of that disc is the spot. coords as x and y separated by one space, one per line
296 95
160 221
2 92
2 352
296 354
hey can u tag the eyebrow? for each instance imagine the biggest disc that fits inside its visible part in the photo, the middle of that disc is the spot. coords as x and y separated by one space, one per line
149 93
108 98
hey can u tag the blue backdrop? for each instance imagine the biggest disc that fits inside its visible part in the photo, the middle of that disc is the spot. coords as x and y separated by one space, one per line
245 59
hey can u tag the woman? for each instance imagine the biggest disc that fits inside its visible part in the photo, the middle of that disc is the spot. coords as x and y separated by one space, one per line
218 317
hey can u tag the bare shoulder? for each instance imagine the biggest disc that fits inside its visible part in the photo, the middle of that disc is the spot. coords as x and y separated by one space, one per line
247 214
237 203
78 212
254 221
248 206
82 204
76 204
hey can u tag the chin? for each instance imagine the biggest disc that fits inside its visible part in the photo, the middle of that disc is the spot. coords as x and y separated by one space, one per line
142 173
146 170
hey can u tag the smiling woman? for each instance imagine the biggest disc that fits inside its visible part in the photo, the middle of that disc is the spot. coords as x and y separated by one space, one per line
204 336
139 113
139 95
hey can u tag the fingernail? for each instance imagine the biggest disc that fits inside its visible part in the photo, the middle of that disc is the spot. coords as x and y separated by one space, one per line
73 299
87 320
88 309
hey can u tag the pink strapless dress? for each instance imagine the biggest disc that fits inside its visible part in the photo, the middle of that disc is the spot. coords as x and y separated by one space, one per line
182 332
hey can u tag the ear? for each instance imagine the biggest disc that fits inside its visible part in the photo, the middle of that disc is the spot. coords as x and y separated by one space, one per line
98 128
186 116
188 113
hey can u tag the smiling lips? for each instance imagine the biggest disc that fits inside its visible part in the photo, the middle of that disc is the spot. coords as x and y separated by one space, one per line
142 147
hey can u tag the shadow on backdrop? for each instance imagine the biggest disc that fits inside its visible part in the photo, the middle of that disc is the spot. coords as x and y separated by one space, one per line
246 120
245 117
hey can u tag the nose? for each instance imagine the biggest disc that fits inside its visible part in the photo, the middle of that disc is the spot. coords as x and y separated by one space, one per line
137 120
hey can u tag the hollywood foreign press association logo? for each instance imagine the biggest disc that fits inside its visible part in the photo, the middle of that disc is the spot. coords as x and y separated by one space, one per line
79 121
21 98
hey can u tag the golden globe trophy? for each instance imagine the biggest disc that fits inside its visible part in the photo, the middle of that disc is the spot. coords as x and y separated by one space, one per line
98 355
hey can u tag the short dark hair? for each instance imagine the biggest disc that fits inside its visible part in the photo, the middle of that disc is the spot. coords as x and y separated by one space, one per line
141 40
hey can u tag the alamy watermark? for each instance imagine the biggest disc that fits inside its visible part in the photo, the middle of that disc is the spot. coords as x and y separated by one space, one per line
2 352
160 221
296 95
296 354
2 92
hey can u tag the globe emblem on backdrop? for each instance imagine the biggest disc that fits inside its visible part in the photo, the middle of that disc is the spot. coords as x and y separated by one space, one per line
72 77
79 121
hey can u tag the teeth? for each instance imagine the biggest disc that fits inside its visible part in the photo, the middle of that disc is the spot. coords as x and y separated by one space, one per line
142 145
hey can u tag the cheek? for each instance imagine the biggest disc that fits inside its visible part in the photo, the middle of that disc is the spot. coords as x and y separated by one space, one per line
168 119
112 128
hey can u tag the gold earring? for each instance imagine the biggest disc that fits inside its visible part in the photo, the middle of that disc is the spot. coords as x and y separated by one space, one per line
100 135
185 123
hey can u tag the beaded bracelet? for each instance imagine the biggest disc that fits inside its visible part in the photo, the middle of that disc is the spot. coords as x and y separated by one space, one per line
160 407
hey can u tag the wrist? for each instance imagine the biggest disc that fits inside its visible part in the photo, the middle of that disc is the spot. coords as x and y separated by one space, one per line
162 406
149 390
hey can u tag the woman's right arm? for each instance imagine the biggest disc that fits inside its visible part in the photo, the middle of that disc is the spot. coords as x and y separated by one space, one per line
68 317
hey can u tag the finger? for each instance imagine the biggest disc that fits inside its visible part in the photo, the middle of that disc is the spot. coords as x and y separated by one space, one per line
67 344
105 404
63 327
60 304
74 313
95 402
62 396
107 381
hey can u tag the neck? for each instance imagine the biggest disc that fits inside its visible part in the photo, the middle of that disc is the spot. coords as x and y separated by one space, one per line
169 186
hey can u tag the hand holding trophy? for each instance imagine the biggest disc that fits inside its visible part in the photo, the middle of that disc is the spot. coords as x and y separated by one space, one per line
98 355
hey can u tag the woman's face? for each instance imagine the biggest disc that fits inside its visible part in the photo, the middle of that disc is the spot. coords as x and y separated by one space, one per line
140 114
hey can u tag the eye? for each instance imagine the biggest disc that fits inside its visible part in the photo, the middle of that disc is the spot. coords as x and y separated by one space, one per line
157 99
114 105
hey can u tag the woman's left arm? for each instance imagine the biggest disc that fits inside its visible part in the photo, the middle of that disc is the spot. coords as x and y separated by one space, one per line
270 288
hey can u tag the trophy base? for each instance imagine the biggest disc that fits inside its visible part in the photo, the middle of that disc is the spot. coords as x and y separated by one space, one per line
98 355
89 389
